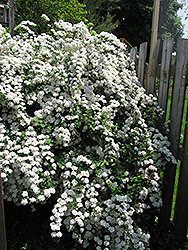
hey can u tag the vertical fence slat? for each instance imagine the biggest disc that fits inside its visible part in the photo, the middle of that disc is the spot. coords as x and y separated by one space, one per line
152 71
167 195
142 62
11 17
178 95
5 16
165 74
133 54
181 209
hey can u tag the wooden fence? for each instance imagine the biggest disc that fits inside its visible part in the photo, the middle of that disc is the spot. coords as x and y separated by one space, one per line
172 81
7 15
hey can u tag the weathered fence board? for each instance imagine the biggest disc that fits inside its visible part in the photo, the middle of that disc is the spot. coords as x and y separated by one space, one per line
142 62
133 54
178 95
181 209
4 15
165 75
153 48
176 113
7 15
11 17
152 71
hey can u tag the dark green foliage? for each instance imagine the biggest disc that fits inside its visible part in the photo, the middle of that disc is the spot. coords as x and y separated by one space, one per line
129 19
170 25
32 10
99 12
4 1
135 19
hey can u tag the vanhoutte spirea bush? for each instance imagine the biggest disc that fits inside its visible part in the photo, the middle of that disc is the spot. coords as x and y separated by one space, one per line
75 125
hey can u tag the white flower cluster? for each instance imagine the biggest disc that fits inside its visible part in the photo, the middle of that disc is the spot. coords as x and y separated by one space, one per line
74 123
23 161
109 224
46 18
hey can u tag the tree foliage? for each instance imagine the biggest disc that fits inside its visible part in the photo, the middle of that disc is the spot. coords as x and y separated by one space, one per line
129 19
170 24
135 20
100 13
67 10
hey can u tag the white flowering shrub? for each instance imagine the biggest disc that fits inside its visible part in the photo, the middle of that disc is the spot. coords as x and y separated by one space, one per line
75 124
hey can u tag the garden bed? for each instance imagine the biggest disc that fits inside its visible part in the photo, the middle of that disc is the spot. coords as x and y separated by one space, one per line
28 230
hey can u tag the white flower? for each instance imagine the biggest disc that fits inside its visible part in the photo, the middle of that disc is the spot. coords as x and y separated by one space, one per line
32 200
79 205
86 214
59 234
24 201
85 244
98 248
111 229
143 193
74 183
35 189
106 243
54 227
3 175
24 193
41 197
74 212
79 221
68 164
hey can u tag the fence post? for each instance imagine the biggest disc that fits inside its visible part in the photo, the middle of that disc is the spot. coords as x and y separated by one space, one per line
153 49
11 17
3 244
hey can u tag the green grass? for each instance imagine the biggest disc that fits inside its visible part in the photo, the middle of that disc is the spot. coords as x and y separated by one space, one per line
175 189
